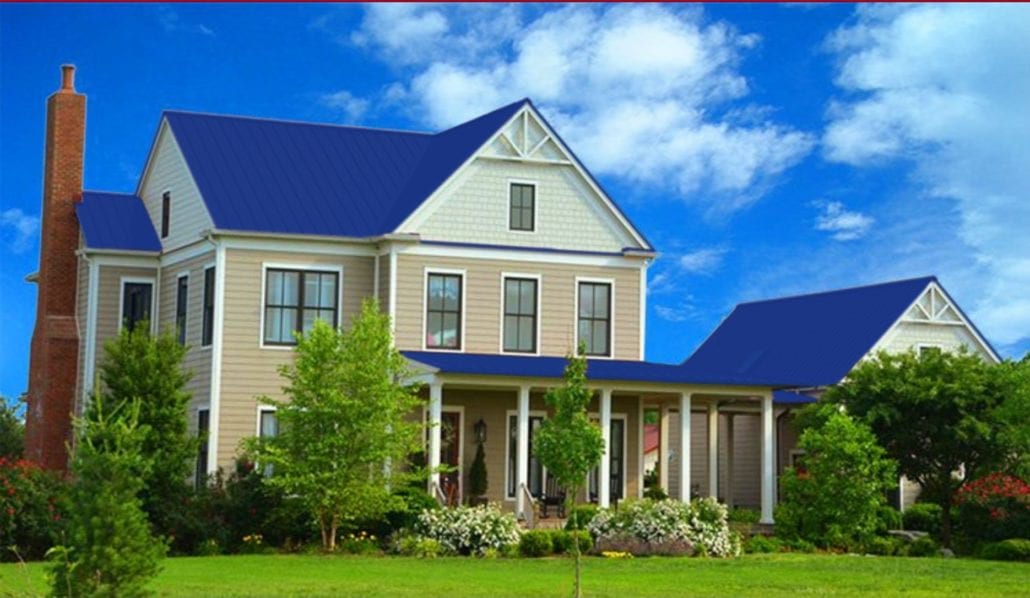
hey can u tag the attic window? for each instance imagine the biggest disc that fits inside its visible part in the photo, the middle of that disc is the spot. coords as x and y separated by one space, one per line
522 205
166 209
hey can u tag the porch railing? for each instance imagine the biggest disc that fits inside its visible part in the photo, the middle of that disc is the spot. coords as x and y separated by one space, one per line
436 492
528 507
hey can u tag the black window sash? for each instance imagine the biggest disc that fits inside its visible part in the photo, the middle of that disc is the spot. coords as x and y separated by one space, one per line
520 315
209 307
181 305
535 474
522 207
166 213
589 289
136 302
203 427
442 311
301 306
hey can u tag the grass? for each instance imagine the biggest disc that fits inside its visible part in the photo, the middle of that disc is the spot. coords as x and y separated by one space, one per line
753 575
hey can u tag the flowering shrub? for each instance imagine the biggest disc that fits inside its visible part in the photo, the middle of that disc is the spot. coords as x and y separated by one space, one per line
994 507
469 530
30 509
359 543
646 526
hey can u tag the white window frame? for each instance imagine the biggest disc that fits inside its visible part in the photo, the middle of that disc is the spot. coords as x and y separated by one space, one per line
539 311
611 316
152 281
921 346
262 409
507 447
203 297
460 410
304 267
425 305
536 204
596 417
185 324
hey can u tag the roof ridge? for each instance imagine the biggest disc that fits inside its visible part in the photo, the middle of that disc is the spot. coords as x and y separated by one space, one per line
291 121
100 192
928 279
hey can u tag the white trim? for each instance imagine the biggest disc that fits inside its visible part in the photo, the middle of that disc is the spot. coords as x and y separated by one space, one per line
216 357
643 312
536 194
460 410
611 315
375 278
323 247
596 417
524 255
640 446
298 267
262 408
152 281
185 252
393 293
92 302
175 314
920 346
426 271
507 446
539 316
767 460
685 412
124 261
168 191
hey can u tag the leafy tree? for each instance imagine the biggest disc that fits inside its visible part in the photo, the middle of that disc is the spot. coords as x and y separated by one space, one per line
110 550
834 496
348 412
12 431
568 444
1012 417
478 483
139 365
935 413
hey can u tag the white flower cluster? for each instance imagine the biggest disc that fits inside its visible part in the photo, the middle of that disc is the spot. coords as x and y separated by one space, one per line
702 523
469 530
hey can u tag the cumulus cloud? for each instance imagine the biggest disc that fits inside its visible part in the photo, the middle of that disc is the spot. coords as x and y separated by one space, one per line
945 89
351 107
701 261
650 94
20 229
843 223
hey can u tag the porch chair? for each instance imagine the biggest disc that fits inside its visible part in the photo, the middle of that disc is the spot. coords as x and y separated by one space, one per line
553 496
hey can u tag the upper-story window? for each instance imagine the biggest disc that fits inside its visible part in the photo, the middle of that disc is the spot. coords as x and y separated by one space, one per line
443 311
520 315
136 301
294 299
522 207
166 212
207 334
182 291
594 313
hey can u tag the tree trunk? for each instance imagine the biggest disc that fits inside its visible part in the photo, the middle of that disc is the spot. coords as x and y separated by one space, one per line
946 523
571 507
332 533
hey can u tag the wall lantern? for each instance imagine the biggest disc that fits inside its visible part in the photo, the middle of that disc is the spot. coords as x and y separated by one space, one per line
480 431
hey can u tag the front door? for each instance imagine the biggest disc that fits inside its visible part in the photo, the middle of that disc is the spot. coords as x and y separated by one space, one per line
450 456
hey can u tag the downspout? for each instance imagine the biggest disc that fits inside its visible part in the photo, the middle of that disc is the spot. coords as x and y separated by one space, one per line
214 397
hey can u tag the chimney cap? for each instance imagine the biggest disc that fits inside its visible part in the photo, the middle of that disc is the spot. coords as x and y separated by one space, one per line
68 78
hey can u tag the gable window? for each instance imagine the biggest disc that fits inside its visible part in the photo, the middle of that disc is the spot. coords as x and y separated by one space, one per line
522 205
294 299
136 299
595 319
166 212
181 301
203 428
520 315
209 307
443 311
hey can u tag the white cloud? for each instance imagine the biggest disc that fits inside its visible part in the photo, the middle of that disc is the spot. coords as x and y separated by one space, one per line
21 229
945 88
680 313
351 107
636 90
844 224
701 261
172 22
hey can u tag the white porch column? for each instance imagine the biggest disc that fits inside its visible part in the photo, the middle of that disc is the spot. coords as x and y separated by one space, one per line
729 460
768 440
435 420
713 449
685 447
663 448
604 485
522 446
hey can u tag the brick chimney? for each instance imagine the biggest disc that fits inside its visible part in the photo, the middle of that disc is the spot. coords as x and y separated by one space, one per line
53 366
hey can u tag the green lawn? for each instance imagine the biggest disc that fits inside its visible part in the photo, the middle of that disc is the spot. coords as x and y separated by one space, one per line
755 575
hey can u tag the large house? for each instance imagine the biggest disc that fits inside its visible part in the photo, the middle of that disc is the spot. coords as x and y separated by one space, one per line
491 247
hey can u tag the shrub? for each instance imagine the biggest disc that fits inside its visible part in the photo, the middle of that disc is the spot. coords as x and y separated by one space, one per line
656 492
1014 549
742 515
993 508
925 546
412 501
923 517
423 548
799 546
882 546
478 480
468 530
888 518
359 543
701 525
536 543
762 545
584 514
562 540
32 504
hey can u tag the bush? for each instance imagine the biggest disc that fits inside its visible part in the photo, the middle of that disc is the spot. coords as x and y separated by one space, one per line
584 514
1014 549
359 543
799 546
925 546
469 530
993 508
536 543
886 546
700 525
413 501
32 507
562 541
423 548
762 545
888 518
923 517
742 515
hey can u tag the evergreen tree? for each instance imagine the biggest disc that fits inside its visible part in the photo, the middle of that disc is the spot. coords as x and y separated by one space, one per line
477 474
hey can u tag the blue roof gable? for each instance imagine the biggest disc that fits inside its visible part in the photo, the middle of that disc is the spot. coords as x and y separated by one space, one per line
813 340
116 221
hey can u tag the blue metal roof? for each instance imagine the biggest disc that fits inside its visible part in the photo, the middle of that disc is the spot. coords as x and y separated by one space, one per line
811 340
307 178
479 364
116 221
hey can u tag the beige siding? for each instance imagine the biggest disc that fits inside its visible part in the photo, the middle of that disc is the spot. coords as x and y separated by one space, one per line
109 292
482 303
248 370
168 172
198 359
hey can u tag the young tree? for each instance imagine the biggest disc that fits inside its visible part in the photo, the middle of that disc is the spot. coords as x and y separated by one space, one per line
109 549
348 411
139 365
12 431
568 444
933 413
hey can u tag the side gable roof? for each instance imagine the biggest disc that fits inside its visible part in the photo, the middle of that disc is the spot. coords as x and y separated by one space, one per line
814 340
117 221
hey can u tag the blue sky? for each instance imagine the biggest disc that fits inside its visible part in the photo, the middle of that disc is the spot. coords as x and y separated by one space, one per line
765 149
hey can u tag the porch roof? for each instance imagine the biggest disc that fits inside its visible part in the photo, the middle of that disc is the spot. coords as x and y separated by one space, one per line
543 366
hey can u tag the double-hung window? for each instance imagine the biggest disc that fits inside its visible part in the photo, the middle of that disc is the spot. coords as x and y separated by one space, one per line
182 291
520 315
595 317
207 333
268 427
136 300
443 311
522 206
295 299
